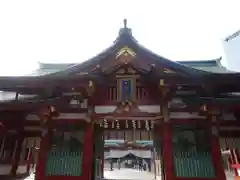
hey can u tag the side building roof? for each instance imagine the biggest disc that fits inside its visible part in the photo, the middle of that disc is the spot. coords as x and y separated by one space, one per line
213 66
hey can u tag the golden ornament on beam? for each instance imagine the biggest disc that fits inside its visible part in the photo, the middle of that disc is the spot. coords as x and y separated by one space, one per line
161 82
127 108
204 108
90 84
90 88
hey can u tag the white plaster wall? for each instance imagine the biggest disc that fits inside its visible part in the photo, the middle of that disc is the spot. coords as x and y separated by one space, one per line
180 115
104 109
5 169
22 169
150 108
228 116
231 53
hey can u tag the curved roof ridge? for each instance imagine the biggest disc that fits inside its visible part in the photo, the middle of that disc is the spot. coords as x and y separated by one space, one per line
43 65
215 60
165 60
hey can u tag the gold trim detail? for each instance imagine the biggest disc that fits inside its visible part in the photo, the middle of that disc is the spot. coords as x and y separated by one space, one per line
161 82
125 51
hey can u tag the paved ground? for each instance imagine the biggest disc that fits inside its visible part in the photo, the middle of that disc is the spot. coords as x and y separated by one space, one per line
31 177
129 174
122 174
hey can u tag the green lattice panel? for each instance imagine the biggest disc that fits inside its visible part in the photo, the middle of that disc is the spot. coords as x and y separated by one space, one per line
193 164
64 163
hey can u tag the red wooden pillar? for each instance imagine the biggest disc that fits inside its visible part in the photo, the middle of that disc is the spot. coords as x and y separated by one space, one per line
42 155
167 152
216 155
87 152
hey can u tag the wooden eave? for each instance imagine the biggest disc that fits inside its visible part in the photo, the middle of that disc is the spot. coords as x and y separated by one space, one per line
221 101
28 105
14 83
206 79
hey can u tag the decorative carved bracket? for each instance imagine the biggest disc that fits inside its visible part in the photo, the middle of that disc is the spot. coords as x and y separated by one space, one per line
90 88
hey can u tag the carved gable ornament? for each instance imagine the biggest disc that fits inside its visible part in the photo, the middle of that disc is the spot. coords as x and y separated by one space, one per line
125 52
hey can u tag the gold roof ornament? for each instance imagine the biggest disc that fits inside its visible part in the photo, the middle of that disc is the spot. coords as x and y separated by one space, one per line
125 51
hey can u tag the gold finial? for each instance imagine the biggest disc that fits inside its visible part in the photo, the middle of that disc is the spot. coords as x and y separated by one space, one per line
125 23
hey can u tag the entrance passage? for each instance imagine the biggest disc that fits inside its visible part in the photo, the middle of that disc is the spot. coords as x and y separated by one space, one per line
128 154
131 154
128 164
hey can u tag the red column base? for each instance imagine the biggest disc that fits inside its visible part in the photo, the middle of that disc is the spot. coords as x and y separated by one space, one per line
88 152
217 158
168 152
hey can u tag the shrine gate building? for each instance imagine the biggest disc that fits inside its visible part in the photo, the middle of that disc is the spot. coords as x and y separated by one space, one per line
65 117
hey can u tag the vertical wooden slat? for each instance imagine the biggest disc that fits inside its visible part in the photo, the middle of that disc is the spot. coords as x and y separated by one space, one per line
137 135
114 94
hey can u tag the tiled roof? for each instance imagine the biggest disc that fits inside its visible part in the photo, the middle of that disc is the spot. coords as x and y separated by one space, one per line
214 66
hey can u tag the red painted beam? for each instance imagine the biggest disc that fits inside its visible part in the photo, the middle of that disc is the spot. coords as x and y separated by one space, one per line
127 148
28 105
126 115
227 123
44 81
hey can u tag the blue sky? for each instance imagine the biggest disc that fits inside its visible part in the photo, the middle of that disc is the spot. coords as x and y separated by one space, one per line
34 31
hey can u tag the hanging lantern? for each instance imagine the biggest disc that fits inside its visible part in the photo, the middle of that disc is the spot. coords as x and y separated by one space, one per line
152 124
118 125
112 124
147 125
105 123
134 124
126 123
139 124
